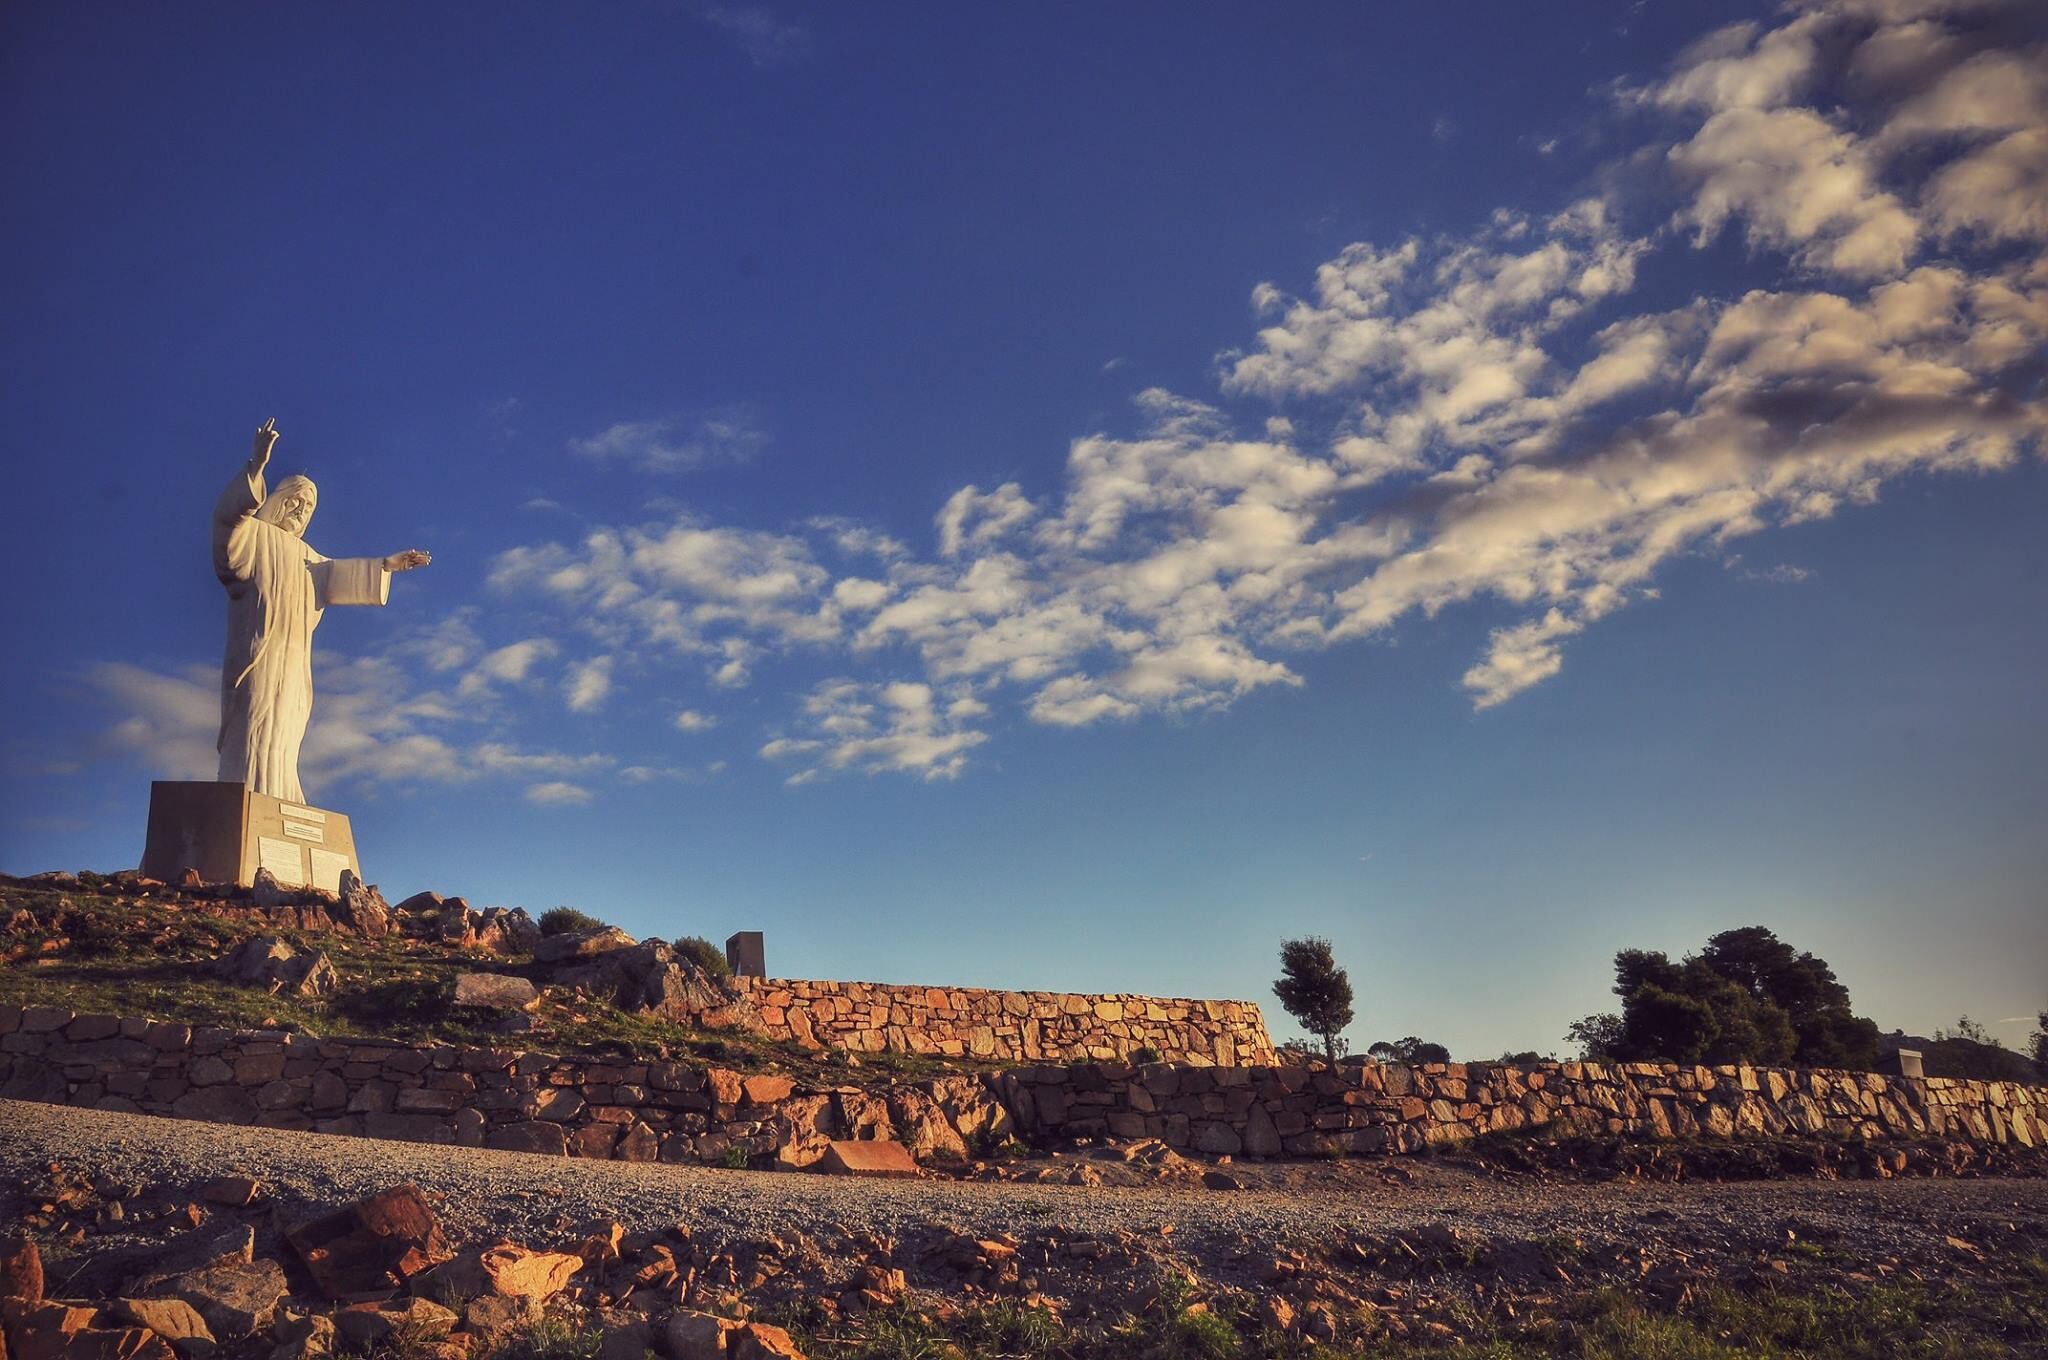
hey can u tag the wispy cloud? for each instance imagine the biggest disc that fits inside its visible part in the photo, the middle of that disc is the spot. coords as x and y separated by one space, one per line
767 39
587 684
1493 415
558 793
726 438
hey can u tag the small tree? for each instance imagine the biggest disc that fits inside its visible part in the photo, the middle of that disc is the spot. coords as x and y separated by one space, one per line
1315 991
704 954
2041 1042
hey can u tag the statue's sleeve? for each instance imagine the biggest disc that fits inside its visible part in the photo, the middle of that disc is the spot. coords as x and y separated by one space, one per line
349 580
232 531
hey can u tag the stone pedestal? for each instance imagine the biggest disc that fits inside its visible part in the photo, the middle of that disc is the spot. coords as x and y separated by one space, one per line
227 833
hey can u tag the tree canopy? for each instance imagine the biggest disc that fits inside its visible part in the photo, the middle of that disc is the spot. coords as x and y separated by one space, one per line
1315 991
1409 1050
1747 997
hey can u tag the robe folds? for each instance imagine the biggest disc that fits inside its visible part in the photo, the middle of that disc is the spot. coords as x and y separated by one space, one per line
277 587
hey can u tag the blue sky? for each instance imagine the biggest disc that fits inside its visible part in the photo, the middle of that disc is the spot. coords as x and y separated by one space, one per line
1067 496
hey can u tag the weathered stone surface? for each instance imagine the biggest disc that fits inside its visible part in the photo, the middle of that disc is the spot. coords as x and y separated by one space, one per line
308 1337
531 1136
759 1341
364 1325
495 991
697 1336
877 1157
175 1320
21 1269
580 944
376 1243
269 962
62 1331
232 1191
237 1298
504 1269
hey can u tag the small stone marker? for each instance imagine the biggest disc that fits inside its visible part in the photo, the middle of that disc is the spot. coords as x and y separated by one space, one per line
745 954
1901 1062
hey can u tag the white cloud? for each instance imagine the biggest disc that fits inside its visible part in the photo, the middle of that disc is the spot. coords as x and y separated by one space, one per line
975 519
727 438
1486 416
690 720
898 727
588 684
558 793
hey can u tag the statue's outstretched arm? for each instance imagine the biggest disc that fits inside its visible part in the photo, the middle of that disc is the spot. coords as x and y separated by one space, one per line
407 560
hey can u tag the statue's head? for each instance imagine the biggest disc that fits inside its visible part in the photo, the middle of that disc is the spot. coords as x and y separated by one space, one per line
290 507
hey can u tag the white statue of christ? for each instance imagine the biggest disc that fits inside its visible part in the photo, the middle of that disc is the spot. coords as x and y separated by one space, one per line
277 588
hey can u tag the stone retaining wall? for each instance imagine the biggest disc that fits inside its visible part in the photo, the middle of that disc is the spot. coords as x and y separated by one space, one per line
875 1017
1376 1107
643 1111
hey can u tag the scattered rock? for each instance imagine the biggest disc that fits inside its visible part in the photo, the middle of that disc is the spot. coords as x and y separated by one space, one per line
303 1337
505 1270
236 1298
21 1269
697 1336
175 1320
373 1245
270 962
234 1192
867 1157
363 1325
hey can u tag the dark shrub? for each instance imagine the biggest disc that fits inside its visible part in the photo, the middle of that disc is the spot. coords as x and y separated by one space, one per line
567 920
704 954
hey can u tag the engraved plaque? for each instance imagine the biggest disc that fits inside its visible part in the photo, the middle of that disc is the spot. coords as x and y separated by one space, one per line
282 858
295 813
304 833
327 867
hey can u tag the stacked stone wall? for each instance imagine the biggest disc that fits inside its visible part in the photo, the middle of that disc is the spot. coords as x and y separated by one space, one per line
1373 1107
681 1112
1016 1027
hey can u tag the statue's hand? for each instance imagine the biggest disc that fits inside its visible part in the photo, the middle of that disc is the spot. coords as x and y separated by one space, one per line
266 437
407 560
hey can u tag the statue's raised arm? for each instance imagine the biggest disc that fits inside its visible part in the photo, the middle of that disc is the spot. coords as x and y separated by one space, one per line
278 586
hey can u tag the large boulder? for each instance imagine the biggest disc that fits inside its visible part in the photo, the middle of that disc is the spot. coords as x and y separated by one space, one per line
362 908
495 991
651 978
507 932
273 964
573 945
375 1244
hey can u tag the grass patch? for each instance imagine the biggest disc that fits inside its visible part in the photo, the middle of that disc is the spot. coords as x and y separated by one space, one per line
1827 1323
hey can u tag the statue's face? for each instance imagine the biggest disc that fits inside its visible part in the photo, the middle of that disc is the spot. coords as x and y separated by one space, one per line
295 512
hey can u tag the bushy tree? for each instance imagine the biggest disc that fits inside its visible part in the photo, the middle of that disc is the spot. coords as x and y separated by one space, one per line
1409 1050
1970 1050
704 954
1315 991
2041 1042
567 921
1597 1037
1747 997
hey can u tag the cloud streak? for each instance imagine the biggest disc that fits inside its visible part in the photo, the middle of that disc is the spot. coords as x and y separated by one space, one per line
1495 417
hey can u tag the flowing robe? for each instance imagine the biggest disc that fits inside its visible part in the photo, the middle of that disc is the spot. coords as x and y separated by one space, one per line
277 587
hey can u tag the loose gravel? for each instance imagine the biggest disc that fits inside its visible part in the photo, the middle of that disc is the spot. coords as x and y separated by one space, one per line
536 1199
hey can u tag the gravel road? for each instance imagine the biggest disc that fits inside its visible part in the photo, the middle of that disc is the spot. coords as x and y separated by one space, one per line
536 1199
